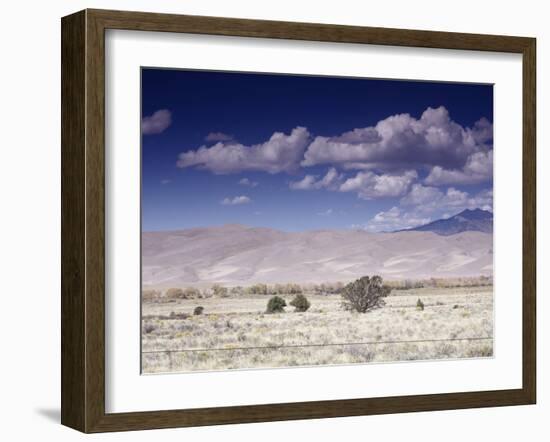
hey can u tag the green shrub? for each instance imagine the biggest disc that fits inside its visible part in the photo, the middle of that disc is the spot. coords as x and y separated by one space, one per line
419 304
174 315
198 310
300 303
365 294
149 328
276 304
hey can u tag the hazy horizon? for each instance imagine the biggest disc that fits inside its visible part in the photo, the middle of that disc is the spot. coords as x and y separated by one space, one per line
252 226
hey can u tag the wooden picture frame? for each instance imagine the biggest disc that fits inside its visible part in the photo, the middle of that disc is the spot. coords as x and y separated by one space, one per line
83 220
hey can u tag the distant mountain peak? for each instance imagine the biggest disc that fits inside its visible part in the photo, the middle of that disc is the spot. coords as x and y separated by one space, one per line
474 220
475 214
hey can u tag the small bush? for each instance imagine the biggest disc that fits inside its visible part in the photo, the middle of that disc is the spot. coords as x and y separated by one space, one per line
150 295
237 290
365 294
174 293
300 303
419 304
174 315
276 304
191 293
220 291
149 328
328 288
198 310
293 289
258 289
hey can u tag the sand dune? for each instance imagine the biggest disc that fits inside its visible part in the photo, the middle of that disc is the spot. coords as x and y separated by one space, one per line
240 255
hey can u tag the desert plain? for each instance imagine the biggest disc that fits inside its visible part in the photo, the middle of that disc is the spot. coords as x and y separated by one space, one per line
232 272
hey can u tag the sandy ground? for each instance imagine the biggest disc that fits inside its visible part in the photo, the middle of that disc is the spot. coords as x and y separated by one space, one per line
239 255
235 333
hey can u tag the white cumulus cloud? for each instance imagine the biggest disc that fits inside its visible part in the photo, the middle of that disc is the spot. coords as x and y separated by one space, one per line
247 182
327 212
394 219
478 169
369 185
399 140
310 182
429 200
156 123
424 204
281 153
366 184
420 194
242 199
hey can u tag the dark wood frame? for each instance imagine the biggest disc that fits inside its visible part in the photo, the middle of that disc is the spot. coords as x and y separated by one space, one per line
83 217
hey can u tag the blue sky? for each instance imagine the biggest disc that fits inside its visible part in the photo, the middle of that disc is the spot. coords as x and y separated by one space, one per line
301 152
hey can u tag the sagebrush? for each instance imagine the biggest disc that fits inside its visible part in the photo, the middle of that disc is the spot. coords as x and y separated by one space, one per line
365 294
300 303
276 305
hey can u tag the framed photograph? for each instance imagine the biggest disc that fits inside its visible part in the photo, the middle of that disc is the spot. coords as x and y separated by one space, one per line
267 221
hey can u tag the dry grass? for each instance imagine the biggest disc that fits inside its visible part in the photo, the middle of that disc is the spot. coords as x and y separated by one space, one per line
235 333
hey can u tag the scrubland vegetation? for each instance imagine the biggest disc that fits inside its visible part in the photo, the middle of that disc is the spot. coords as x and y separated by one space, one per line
368 320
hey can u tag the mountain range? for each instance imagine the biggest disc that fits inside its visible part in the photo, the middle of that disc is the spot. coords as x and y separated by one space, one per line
469 220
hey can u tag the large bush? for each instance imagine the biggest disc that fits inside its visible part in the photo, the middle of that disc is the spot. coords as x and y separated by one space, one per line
300 303
365 294
276 304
